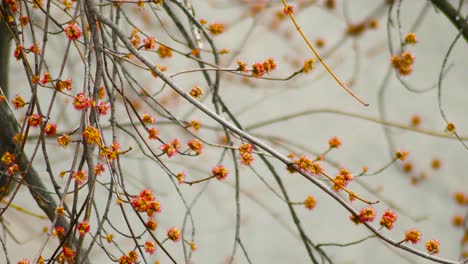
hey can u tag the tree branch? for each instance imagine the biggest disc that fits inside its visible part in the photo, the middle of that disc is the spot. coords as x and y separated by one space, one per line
452 14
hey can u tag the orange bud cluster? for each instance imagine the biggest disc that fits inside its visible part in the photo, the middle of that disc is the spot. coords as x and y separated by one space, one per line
403 63
146 202
245 154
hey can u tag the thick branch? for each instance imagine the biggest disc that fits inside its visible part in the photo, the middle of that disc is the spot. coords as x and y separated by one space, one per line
4 53
452 14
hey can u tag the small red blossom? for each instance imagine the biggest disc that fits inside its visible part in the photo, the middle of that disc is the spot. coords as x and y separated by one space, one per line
181 177
450 128
147 195
220 172
258 70
92 135
17 52
304 163
23 261
401 154
356 29
346 174
111 152
64 85
457 220
339 183
68 254
195 124
67 5
269 65
195 52
8 158
355 219
410 38
35 48
246 148
60 211
367 214
413 236
403 63
149 43
192 246
153 133
34 120
103 108
242 66
352 196
164 52
196 92
174 234
148 119
146 202
308 65
288 10
388 219
435 164
196 146
135 38
17 138
83 227
334 142
99 169
316 168
64 140
216 28
73 31
432 246
124 259
50 129
151 225
153 207
342 179
81 102
150 247
46 78
80 177
140 204
415 121
310 202
38 3
18 102
35 79
133 256
246 159
13 169
13 5
101 92
59 232
170 148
